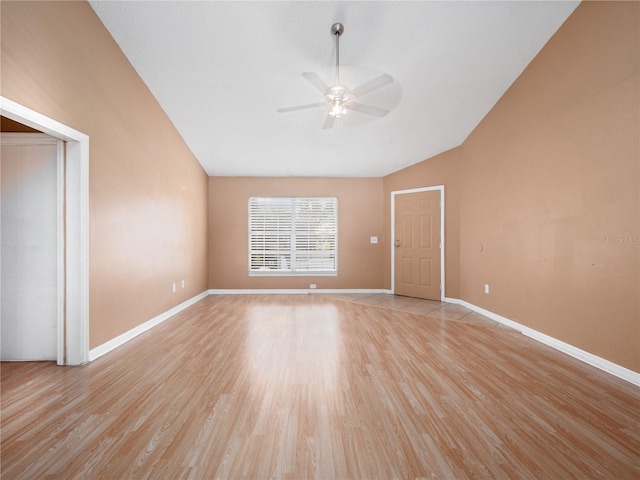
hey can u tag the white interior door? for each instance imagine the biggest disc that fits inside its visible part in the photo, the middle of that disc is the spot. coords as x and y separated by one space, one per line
31 283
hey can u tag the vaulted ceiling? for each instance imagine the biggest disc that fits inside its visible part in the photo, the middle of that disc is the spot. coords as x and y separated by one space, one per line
220 70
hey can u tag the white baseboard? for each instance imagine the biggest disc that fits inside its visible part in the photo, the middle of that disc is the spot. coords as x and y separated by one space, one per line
292 291
143 327
593 360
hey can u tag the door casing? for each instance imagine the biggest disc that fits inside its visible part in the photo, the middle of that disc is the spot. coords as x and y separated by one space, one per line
442 236
74 345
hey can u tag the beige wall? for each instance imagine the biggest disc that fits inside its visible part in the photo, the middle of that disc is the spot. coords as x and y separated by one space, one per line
545 191
359 218
148 194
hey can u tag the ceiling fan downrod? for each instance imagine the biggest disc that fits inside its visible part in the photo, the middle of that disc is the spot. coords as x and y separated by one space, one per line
338 97
337 29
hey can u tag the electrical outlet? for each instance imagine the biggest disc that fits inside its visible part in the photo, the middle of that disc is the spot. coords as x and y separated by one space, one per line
486 288
312 286
182 284
173 287
374 239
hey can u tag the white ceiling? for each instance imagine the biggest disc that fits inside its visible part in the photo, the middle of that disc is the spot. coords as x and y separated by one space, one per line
221 69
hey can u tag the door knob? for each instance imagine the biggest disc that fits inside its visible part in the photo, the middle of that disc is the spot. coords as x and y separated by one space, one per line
397 243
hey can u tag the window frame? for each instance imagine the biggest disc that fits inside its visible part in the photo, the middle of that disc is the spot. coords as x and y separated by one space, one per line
294 234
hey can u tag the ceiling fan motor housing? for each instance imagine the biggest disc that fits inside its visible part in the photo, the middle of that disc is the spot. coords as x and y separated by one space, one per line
337 29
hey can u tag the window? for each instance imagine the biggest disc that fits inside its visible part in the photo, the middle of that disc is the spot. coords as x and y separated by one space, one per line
293 236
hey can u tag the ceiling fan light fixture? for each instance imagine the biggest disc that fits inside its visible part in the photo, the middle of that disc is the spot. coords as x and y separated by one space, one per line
337 109
337 98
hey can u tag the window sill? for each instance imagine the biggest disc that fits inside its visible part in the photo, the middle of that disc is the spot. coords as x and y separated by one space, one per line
275 273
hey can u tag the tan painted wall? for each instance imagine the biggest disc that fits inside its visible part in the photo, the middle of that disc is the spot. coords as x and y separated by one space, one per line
547 190
359 218
148 194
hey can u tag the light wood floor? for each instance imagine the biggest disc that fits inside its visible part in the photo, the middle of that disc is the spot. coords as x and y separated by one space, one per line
313 386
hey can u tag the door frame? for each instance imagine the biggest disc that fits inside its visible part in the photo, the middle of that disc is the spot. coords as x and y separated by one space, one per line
73 336
393 234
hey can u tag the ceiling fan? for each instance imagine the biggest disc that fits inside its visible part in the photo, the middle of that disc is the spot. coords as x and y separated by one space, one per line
338 99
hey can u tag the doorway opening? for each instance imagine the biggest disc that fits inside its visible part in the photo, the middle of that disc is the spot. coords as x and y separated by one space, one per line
32 253
73 336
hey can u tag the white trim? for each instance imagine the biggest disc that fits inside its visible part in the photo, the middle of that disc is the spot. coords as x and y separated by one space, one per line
60 222
291 291
42 123
76 322
77 201
285 273
393 234
575 352
143 327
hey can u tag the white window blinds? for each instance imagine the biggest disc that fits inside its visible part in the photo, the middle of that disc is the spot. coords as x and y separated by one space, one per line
289 236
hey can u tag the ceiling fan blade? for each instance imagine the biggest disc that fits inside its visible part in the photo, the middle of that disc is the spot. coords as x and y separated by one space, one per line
316 81
371 85
329 121
368 109
301 107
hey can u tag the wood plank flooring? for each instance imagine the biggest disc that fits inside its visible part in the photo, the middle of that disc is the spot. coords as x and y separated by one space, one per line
313 386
